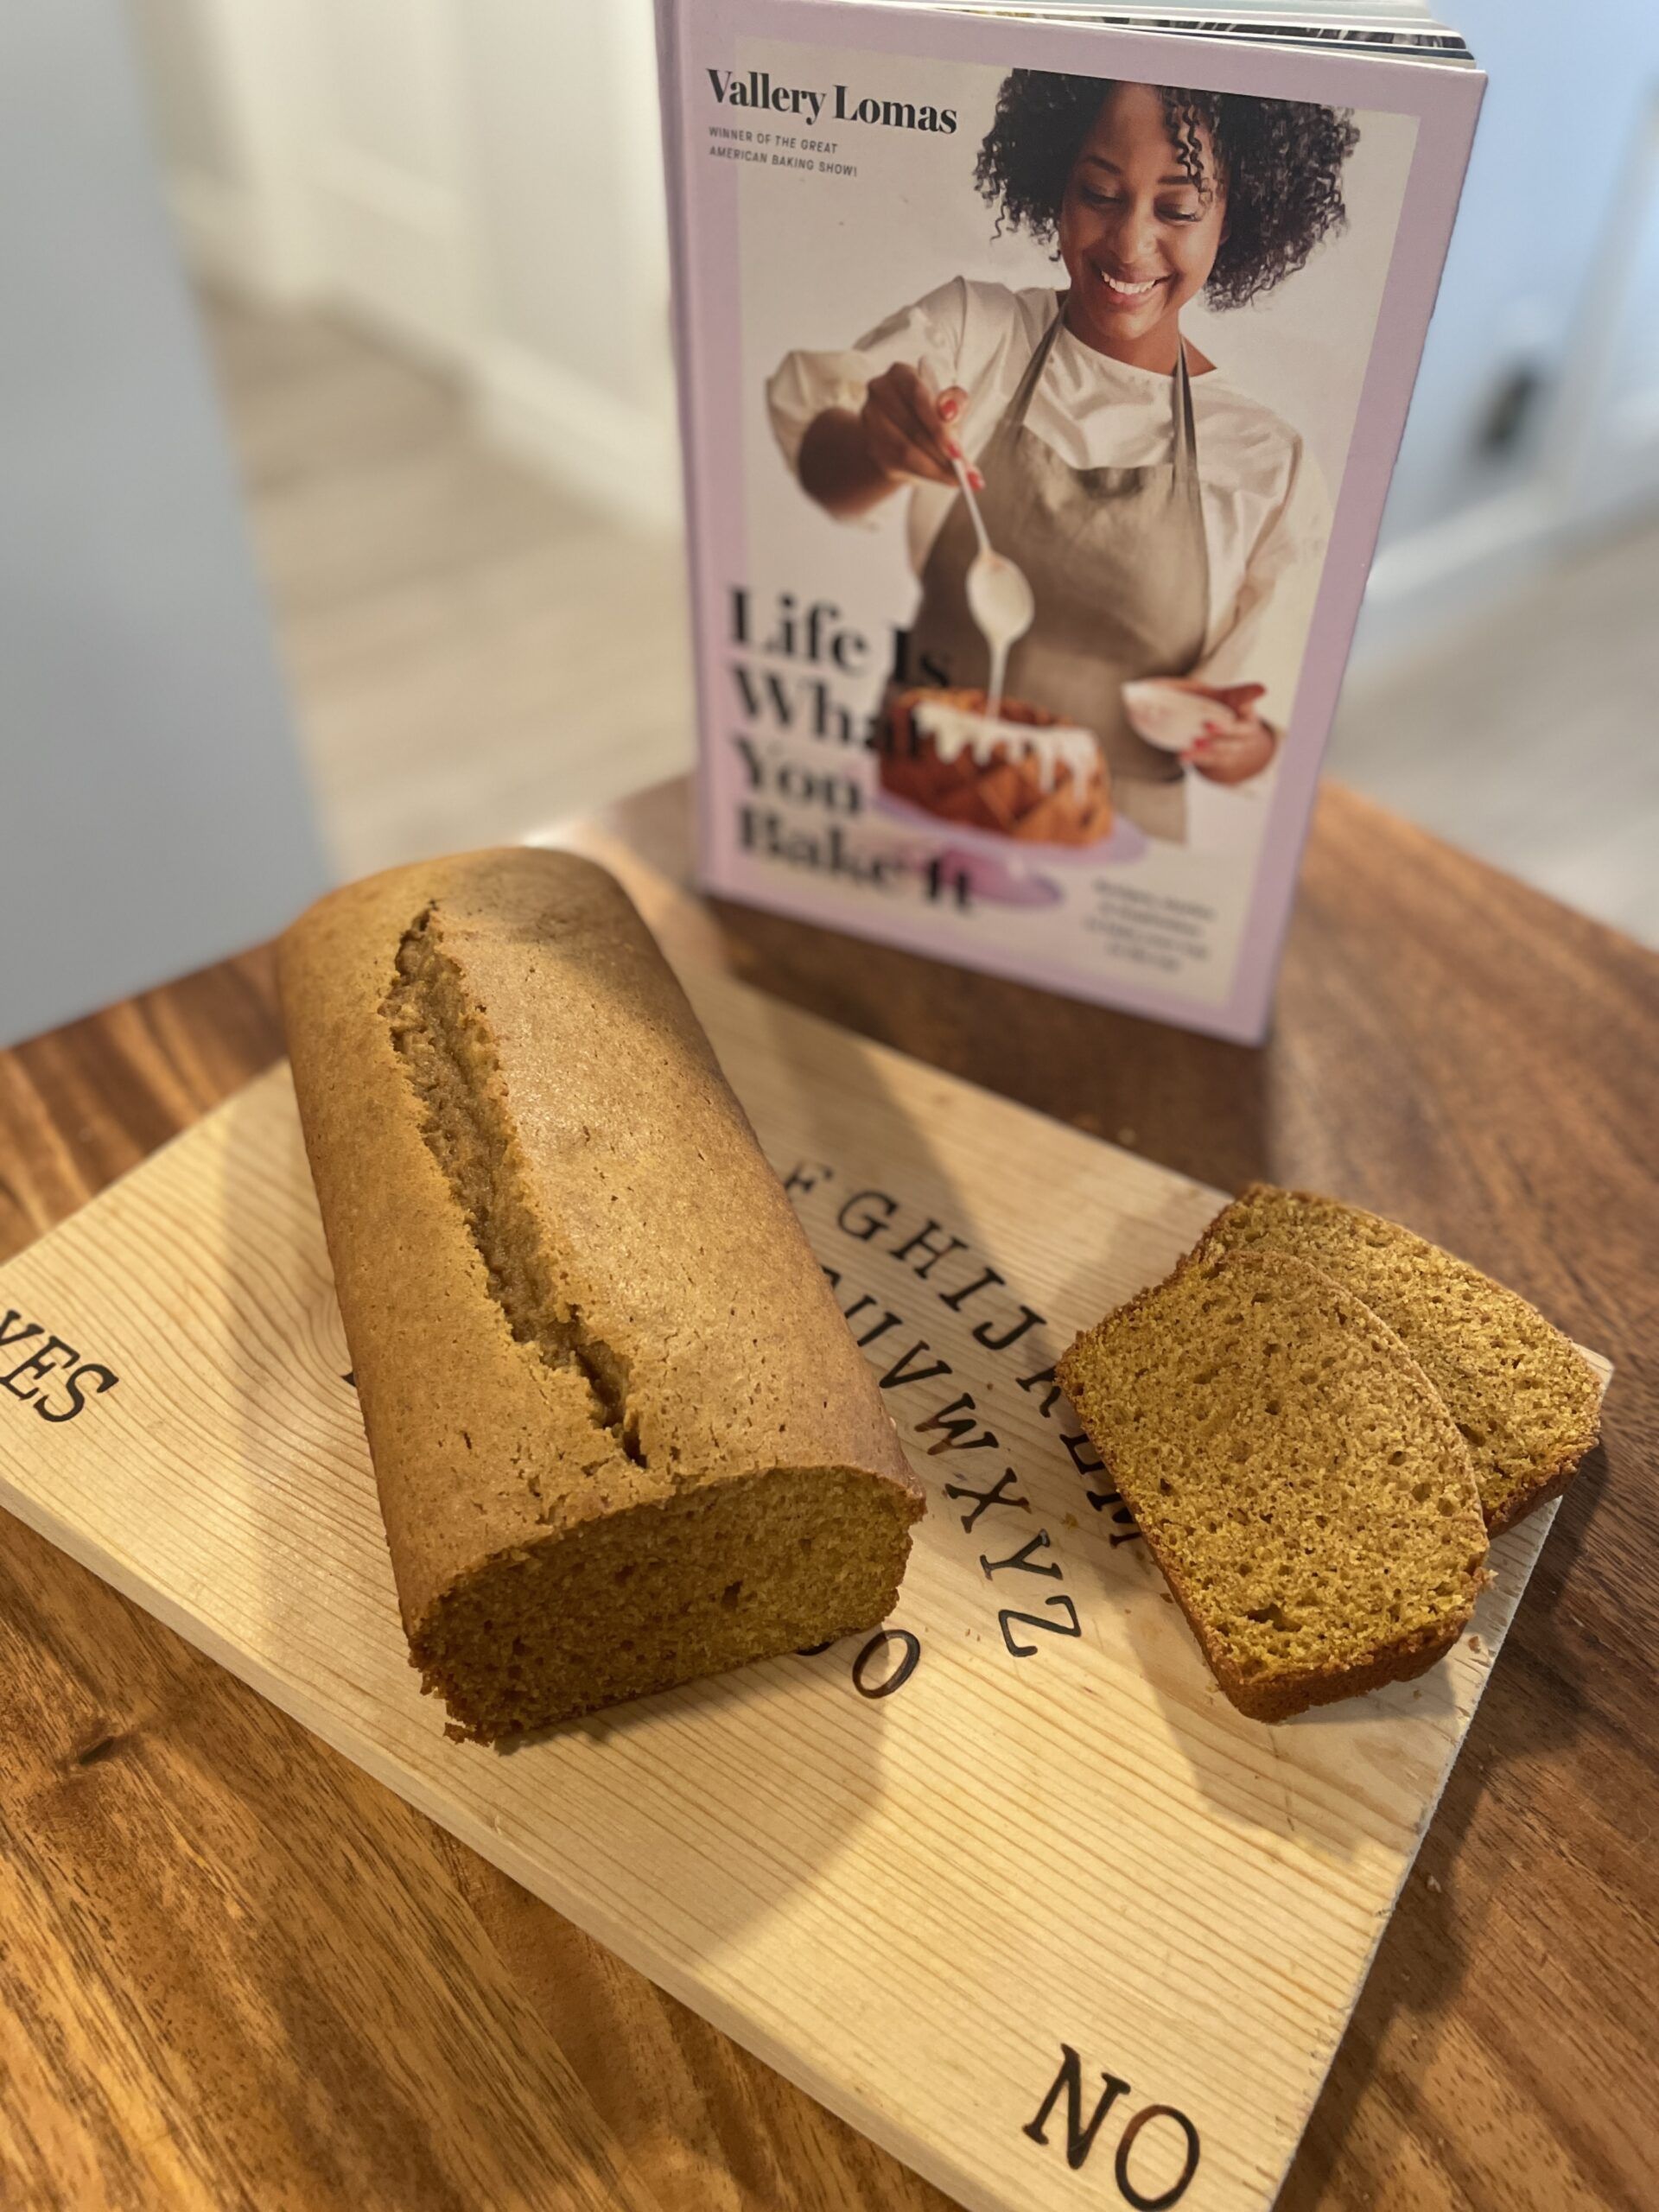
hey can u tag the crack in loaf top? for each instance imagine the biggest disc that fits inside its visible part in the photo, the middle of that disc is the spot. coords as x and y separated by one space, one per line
449 1056
662 1226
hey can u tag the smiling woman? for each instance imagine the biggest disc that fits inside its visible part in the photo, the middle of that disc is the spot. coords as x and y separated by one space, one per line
1274 165
1141 220
1171 526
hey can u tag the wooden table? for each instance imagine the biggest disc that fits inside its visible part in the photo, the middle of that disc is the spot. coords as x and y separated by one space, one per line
235 1972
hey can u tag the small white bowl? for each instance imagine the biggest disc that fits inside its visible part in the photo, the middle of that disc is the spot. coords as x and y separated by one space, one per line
1166 716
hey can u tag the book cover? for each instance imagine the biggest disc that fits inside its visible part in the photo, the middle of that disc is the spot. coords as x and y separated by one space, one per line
1040 384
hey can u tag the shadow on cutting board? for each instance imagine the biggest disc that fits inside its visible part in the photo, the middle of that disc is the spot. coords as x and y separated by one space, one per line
1197 1105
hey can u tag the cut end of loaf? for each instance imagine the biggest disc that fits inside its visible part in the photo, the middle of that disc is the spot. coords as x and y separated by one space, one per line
1306 1493
664 1594
1526 1400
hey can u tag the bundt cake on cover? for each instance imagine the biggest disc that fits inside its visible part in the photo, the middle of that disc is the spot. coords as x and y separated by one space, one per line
1025 774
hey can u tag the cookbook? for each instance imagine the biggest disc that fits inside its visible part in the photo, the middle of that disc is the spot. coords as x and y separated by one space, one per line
1042 370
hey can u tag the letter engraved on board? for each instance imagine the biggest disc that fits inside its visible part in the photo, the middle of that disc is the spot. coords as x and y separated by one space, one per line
45 1372
1149 2178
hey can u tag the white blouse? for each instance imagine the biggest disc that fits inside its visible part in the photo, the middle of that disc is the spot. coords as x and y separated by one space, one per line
1267 518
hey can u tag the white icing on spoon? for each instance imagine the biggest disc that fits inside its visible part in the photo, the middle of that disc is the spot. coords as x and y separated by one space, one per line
999 598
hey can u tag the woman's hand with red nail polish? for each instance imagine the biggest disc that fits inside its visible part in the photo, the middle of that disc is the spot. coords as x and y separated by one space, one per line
903 421
1235 743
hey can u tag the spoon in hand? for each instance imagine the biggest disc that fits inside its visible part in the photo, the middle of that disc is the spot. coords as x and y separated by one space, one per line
999 597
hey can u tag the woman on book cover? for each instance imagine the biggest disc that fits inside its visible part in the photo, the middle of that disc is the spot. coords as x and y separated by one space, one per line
1171 525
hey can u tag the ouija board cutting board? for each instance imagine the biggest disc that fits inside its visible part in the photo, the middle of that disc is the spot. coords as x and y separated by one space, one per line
1008 1885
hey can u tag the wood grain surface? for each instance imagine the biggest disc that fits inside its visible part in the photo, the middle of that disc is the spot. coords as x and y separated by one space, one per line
1041 1828
233 1971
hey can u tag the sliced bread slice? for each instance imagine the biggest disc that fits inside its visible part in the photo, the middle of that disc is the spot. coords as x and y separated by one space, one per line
1299 1481
1526 1399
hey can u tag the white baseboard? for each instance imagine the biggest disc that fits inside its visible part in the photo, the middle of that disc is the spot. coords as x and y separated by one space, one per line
391 253
1424 582
382 247
622 457
224 237
387 253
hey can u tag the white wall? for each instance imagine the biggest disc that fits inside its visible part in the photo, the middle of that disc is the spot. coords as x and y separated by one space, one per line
1570 100
1569 93
391 224
479 179
153 815
574 366
188 95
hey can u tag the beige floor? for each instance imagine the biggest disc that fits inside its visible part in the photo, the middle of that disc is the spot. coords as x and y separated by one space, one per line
473 654
1530 734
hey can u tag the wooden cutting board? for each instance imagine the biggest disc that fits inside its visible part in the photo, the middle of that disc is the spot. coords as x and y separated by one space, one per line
1008 1884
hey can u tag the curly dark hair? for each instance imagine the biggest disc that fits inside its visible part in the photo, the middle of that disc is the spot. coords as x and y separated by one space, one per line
1281 162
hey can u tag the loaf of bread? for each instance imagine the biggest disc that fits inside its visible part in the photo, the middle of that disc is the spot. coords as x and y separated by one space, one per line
1304 1489
622 1435
1527 1401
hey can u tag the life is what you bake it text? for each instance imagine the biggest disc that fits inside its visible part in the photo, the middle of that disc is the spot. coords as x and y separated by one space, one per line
801 805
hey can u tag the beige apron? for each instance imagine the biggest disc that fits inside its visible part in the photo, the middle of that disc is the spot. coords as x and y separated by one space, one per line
1120 571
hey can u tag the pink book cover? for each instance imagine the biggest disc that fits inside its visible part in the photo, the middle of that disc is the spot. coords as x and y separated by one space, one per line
1040 380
